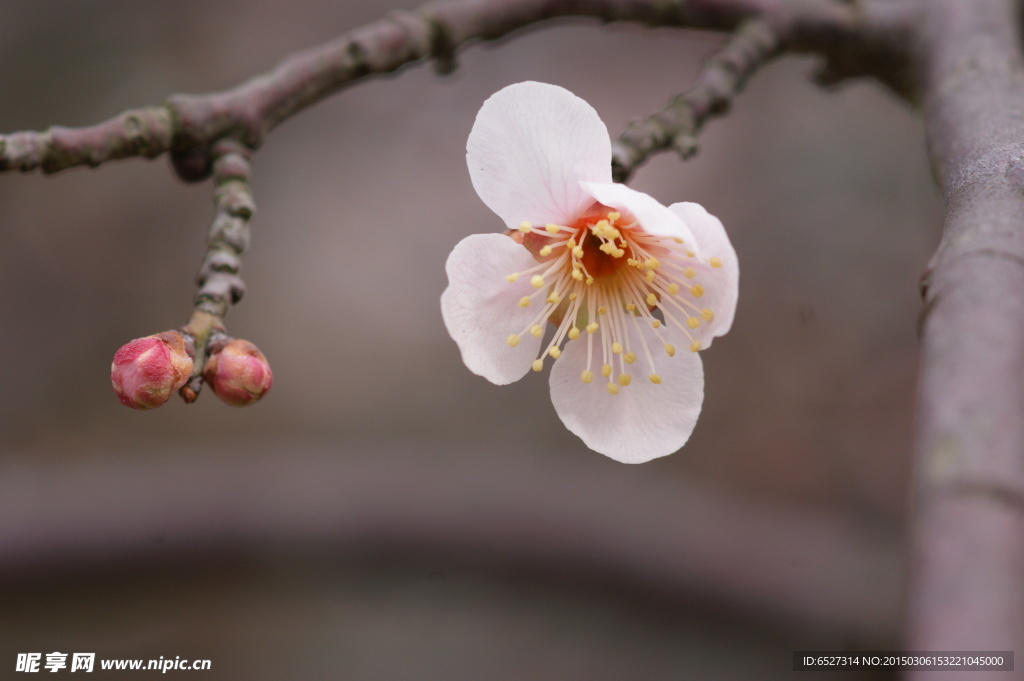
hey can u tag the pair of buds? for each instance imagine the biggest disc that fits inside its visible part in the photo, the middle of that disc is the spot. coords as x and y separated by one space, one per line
147 370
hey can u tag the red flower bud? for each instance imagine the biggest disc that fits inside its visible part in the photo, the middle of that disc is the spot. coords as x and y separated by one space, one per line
238 372
147 370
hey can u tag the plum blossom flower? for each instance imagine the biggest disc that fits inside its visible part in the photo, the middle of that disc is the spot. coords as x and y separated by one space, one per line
631 289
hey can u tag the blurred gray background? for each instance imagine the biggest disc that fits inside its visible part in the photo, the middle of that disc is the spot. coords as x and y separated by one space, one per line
383 513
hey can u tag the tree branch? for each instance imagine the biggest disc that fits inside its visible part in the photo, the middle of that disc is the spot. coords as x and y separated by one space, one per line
800 569
218 280
189 125
677 125
967 586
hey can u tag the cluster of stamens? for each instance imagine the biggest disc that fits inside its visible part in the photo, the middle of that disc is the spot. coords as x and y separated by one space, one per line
604 277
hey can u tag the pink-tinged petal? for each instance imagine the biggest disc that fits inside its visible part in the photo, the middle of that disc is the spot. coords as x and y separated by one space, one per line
644 420
530 147
721 284
481 308
654 218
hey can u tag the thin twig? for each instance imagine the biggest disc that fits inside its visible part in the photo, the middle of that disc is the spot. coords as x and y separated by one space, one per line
218 280
677 125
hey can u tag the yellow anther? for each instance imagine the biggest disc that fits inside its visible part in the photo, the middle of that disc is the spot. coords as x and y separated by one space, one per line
607 247
695 346
614 216
631 262
629 357
591 327
538 364
715 262
624 379
670 350
652 299
512 340
537 281
652 263
590 280
673 288
655 378
613 389
619 253
689 273
524 301
554 298
555 353
578 251
587 376
512 277
707 314
677 240
525 226
536 331
693 322
650 276
697 290
572 296
571 242
577 275
545 251
606 370
691 254
617 348
574 333
656 324
630 307
602 310
552 229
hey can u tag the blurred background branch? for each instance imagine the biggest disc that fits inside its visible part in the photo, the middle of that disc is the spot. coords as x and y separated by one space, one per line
676 542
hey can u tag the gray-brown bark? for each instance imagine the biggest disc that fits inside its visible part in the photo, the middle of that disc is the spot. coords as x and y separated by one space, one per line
967 587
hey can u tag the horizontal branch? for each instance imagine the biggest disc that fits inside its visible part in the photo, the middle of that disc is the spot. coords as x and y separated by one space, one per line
189 125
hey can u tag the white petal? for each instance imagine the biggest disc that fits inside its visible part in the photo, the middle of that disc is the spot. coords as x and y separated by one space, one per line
481 308
643 421
653 217
721 284
530 147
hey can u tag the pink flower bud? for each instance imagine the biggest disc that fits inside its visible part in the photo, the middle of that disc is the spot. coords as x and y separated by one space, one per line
238 372
147 370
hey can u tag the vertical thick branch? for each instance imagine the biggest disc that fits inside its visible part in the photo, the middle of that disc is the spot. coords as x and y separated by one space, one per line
967 589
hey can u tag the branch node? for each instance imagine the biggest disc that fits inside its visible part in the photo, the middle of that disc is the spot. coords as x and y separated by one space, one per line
442 47
192 165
